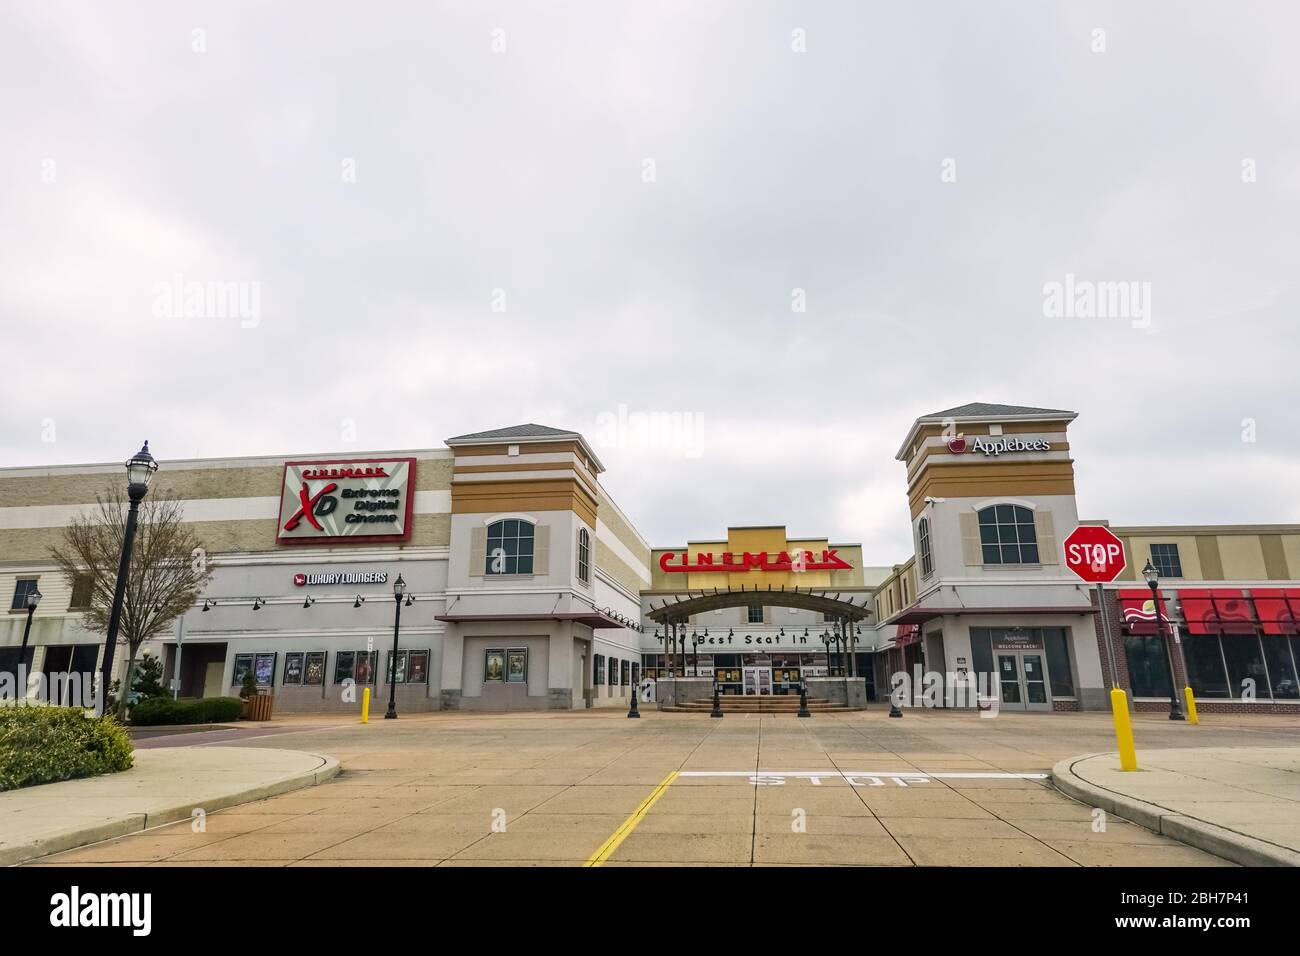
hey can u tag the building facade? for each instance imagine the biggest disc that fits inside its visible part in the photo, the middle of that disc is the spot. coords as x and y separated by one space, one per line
527 588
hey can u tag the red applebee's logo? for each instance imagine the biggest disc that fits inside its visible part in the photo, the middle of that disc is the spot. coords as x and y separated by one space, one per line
957 445
299 580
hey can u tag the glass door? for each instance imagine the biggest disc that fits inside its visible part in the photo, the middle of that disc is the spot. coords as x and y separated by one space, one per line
1009 679
758 681
1035 682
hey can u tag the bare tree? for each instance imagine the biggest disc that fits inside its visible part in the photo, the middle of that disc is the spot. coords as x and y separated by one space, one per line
168 567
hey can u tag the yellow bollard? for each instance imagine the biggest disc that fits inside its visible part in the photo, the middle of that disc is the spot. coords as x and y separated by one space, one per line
1191 705
365 706
1123 730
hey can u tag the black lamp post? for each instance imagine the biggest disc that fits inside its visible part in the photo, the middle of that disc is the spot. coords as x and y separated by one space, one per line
139 469
399 589
826 639
1153 582
33 599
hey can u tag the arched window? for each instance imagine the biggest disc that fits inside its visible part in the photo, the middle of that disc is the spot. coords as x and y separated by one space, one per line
1007 535
509 547
923 532
584 556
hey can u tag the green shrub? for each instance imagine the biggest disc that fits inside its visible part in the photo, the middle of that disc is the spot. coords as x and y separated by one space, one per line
187 710
46 744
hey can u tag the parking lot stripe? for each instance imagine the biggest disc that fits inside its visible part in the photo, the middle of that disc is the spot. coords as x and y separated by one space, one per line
628 825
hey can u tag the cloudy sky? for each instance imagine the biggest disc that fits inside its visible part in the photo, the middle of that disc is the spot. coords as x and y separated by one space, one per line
739 245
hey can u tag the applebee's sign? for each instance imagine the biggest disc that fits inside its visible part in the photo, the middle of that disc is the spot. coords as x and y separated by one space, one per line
323 502
997 446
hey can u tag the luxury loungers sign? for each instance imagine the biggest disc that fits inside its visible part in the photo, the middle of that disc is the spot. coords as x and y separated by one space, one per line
362 500
754 561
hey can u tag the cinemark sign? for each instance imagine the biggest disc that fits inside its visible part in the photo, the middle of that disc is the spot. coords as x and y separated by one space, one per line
357 501
754 561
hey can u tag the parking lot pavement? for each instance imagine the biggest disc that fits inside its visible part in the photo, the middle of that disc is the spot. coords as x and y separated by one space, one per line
594 788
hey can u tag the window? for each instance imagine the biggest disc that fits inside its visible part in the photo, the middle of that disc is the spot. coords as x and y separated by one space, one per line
1205 673
22 588
599 677
83 588
584 556
1165 558
1247 677
1007 535
613 671
625 675
981 650
510 547
494 665
262 666
517 665
755 615
1148 666
412 667
1056 641
360 666
927 565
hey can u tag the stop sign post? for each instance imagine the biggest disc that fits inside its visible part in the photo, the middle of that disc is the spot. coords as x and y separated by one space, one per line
1094 554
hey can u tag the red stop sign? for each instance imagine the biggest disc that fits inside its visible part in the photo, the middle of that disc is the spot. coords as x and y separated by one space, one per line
1094 554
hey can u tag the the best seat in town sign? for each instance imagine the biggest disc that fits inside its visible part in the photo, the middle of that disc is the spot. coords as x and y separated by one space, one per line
1094 554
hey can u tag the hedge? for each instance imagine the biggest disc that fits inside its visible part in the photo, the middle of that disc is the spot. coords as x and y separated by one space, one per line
187 710
41 744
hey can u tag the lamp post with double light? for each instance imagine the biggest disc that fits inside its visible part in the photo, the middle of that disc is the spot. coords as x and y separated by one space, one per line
33 599
140 469
399 591
1153 582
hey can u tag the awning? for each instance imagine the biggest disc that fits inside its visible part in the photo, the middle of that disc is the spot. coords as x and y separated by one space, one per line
1138 611
919 615
590 618
907 634
1278 610
1217 611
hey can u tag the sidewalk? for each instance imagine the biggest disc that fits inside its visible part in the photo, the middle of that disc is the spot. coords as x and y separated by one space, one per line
164 786
1241 803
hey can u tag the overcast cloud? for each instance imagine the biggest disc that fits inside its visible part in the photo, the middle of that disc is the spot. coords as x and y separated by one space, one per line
391 175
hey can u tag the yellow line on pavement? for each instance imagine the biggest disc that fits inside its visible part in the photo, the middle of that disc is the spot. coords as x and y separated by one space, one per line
621 834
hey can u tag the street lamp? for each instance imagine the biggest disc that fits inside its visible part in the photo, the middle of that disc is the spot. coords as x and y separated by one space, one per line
399 589
33 599
139 470
826 639
1153 582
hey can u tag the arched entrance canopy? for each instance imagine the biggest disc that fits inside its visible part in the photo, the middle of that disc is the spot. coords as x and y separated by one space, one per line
694 602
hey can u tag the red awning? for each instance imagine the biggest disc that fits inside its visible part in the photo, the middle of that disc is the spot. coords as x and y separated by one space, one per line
1236 613
1138 611
1278 610
907 634
1198 611
1217 611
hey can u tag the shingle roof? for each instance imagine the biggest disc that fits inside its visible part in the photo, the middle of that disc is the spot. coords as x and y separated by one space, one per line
516 431
973 409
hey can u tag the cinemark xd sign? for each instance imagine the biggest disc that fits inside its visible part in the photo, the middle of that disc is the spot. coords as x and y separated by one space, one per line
1094 554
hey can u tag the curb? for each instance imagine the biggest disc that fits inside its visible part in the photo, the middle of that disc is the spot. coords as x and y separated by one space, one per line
1212 838
135 822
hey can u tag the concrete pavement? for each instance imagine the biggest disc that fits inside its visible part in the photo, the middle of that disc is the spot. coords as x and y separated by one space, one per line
1242 803
566 788
164 786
